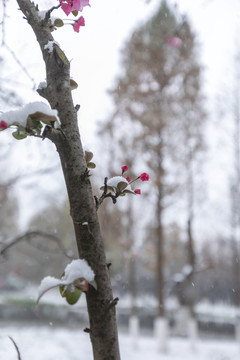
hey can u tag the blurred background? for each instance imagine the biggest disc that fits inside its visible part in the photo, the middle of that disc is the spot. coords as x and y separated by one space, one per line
158 85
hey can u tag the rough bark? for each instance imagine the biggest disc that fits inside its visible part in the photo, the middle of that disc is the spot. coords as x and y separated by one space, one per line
100 302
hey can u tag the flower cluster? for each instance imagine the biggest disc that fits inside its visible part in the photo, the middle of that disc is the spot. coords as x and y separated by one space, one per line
120 185
144 177
74 6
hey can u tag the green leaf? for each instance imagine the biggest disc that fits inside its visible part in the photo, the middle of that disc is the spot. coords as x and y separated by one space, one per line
58 23
75 13
121 185
109 188
129 192
73 295
91 165
19 136
73 84
122 194
34 120
70 292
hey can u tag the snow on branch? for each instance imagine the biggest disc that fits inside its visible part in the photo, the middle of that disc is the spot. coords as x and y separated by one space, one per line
76 279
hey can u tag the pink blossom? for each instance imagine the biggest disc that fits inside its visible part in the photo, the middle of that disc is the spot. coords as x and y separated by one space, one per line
124 169
137 191
128 179
144 177
3 125
72 5
83 3
175 42
66 7
78 23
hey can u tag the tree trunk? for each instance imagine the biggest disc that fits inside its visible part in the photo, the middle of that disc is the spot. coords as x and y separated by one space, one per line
100 302
190 242
160 238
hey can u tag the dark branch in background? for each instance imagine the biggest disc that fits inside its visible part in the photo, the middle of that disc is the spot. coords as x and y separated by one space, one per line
23 68
34 173
105 194
4 44
16 347
3 21
28 236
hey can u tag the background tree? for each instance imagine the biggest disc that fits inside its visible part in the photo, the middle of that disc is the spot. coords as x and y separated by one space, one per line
158 111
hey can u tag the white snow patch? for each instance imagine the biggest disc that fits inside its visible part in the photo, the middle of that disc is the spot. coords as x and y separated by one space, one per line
77 269
113 182
49 45
73 271
22 114
42 14
53 342
47 283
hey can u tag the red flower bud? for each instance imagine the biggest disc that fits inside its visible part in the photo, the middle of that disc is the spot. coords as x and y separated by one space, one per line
144 177
3 125
128 179
124 168
137 191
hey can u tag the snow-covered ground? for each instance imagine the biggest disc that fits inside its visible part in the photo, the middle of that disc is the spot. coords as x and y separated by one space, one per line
48 343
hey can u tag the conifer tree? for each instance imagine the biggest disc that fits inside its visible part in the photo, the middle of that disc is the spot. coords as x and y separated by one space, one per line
158 110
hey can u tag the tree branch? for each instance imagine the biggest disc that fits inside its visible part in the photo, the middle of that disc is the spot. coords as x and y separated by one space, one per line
105 194
16 347
27 175
33 234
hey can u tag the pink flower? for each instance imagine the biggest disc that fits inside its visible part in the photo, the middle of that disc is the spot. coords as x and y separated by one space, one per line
3 125
66 7
128 179
83 3
72 5
137 191
144 177
124 169
175 42
78 23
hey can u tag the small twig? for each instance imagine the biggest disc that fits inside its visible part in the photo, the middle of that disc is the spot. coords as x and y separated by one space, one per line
17 178
16 347
99 201
20 64
48 13
3 22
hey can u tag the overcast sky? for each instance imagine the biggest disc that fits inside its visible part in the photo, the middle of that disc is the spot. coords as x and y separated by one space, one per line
95 61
